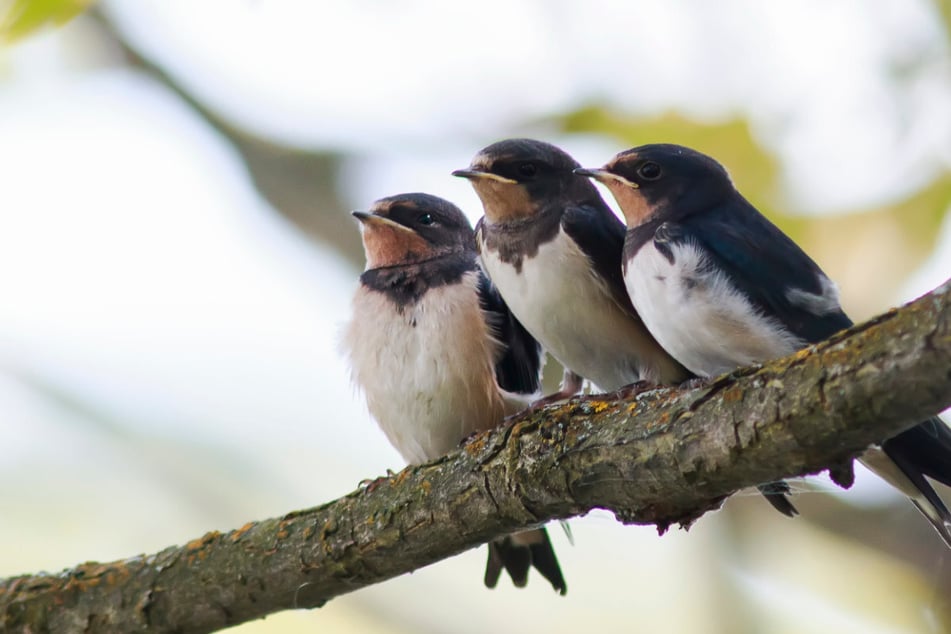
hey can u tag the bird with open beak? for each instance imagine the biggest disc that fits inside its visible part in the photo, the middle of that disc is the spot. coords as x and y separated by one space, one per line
553 247
437 352
721 287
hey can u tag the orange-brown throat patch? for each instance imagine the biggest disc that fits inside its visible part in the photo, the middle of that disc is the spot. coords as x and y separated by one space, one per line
389 244
633 205
503 202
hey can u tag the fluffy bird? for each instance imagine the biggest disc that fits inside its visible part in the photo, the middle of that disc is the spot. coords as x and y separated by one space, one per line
721 287
552 247
437 352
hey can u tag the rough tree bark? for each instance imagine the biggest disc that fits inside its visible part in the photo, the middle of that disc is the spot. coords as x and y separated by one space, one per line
661 457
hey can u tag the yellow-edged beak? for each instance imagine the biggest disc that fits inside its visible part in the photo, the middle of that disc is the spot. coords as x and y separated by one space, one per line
473 174
602 175
369 219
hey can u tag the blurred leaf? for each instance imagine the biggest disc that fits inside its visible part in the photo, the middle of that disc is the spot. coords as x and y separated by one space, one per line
301 184
869 251
944 10
20 18
756 171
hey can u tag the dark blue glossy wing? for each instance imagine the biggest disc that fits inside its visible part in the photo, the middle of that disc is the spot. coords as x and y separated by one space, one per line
764 264
600 235
925 447
519 368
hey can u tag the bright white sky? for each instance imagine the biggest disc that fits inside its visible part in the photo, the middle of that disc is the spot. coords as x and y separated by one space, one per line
140 271
418 76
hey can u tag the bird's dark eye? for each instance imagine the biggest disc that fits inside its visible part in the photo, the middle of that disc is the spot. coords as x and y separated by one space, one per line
426 219
649 171
527 170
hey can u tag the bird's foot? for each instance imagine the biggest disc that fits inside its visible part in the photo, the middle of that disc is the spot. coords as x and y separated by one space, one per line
623 393
465 441
571 384
696 382
370 484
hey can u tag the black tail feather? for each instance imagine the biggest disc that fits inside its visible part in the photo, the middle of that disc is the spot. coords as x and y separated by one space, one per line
515 560
925 450
518 553
775 493
941 522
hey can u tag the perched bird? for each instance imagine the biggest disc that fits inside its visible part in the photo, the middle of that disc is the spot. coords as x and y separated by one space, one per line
436 351
553 247
721 287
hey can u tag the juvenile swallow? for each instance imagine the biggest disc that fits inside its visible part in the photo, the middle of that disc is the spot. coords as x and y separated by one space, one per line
552 247
721 287
437 352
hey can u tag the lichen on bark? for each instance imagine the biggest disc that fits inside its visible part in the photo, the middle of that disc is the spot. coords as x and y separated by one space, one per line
662 456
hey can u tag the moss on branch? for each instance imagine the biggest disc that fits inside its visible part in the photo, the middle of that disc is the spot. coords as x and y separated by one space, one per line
660 457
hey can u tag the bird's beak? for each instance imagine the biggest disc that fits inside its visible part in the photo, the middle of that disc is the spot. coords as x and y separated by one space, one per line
473 174
370 219
602 175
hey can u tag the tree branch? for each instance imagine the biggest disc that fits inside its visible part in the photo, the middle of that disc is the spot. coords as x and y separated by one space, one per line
662 457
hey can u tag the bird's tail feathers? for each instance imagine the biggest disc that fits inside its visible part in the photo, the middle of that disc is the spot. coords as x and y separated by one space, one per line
939 518
904 467
520 552
776 494
925 449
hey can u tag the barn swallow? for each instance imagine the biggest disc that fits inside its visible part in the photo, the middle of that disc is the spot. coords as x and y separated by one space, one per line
437 352
552 247
720 287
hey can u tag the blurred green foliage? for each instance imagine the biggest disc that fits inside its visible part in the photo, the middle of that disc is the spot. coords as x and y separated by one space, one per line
870 251
20 18
755 169
944 9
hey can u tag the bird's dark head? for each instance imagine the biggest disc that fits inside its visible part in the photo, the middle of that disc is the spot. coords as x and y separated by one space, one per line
661 180
515 178
412 228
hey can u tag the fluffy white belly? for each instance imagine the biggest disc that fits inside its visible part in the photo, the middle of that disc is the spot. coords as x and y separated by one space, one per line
428 373
698 316
567 308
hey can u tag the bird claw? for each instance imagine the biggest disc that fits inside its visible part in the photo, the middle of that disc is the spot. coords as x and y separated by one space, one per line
625 392
571 384
621 394
370 484
696 382
469 437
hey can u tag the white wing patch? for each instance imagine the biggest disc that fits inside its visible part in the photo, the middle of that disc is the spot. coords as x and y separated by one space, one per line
823 303
697 314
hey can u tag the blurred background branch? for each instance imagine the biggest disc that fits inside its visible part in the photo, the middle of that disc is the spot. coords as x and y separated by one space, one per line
294 180
176 258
